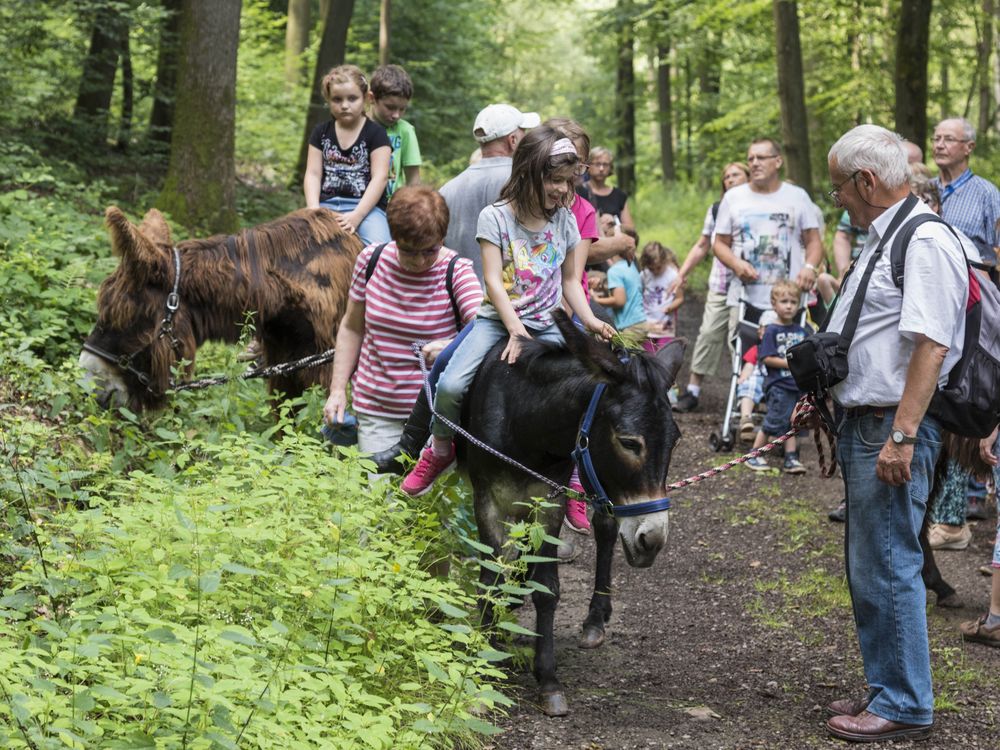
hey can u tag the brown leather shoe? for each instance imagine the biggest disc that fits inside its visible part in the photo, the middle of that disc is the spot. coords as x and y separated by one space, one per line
867 727
847 707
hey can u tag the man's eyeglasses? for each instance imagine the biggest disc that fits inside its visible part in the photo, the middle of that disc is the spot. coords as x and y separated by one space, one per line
835 193
948 140
754 159
428 253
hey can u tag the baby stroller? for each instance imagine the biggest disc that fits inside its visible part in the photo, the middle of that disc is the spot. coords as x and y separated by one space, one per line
744 337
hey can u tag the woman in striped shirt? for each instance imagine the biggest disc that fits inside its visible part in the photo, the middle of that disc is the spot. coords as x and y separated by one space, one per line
404 299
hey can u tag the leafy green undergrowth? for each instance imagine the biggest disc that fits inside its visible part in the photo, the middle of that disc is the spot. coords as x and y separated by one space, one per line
255 597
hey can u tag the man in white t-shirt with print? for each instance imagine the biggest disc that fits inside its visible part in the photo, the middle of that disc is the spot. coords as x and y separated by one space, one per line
767 230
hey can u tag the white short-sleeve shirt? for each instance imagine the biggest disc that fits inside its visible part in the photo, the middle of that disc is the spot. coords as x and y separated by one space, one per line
766 231
936 282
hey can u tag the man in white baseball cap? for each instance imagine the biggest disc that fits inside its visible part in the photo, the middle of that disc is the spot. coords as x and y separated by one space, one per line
499 120
498 129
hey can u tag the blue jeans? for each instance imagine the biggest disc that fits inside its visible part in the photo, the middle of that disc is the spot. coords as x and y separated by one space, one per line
882 550
374 229
465 360
780 405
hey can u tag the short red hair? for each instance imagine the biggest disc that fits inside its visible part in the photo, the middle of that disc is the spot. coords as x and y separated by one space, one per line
418 217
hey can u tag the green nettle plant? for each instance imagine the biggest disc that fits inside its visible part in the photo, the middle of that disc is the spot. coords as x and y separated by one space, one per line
257 596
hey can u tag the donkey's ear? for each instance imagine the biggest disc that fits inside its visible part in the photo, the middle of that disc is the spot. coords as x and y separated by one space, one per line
155 228
597 356
128 242
671 357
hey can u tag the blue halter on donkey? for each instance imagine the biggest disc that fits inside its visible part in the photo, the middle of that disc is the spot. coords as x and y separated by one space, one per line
599 499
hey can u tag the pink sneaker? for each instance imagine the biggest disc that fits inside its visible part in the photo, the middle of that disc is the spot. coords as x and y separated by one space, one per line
421 477
576 511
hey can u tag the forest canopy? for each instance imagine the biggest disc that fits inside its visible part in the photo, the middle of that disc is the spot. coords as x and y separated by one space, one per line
90 78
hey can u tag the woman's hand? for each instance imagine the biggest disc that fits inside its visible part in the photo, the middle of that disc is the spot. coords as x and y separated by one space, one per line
432 349
336 405
986 449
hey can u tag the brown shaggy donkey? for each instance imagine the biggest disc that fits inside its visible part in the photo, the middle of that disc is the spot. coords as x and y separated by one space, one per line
291 273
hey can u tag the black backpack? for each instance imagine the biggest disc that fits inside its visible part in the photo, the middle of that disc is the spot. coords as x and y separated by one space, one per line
449 280
967 405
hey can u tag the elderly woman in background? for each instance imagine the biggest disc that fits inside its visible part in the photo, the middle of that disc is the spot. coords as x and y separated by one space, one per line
401 297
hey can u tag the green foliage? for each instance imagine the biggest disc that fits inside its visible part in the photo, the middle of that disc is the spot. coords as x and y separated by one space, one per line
250 595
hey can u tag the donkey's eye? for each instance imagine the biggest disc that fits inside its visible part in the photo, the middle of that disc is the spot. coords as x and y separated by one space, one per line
631 444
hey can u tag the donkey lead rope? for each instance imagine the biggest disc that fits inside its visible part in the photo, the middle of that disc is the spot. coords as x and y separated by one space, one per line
806 407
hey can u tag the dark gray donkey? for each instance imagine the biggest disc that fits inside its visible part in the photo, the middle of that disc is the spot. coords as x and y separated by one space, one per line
533 411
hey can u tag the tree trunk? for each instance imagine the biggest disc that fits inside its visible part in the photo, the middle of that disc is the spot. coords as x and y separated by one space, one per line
128 99
93 98
199 191
625 158
688 157
383 32
296 40
666 114
985 48
791 93
161 121
332 50
912 36
995 122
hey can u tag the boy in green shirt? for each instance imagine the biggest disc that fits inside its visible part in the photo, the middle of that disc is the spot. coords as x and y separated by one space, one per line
389 94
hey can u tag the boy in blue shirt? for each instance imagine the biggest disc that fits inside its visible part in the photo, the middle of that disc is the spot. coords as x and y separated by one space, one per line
780 391
389 95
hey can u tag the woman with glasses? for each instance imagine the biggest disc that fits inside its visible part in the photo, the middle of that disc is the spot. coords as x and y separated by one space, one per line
401 297
606 198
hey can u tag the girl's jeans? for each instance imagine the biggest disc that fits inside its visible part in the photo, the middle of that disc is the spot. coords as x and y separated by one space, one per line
374 229
465 361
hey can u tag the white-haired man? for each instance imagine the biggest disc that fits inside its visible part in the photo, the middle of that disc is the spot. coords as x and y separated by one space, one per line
904 346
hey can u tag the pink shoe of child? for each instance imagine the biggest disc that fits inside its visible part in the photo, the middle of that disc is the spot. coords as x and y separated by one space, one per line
576 511
421 477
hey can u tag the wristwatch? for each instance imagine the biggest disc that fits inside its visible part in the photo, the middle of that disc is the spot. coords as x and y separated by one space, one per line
811 267
901 438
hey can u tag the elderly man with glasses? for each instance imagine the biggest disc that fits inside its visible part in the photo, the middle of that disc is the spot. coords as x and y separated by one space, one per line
972 204
905 344
968 201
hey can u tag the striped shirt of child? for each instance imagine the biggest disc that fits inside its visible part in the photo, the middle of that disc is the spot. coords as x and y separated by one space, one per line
402 307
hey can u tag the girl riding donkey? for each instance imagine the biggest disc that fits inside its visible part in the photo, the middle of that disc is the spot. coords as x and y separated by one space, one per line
529 241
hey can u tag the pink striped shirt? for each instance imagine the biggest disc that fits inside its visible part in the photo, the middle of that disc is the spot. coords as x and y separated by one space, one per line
402 307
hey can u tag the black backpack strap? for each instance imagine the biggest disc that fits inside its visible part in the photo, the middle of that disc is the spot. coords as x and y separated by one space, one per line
373 261
901 243
715 210
854 314
449 281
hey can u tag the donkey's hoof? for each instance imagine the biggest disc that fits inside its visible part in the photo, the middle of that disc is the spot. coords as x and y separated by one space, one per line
554 704
592 637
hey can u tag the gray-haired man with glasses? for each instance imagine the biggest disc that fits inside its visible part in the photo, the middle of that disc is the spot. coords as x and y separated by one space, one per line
968 201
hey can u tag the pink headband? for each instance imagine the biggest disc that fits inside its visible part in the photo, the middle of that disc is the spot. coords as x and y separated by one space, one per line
563 146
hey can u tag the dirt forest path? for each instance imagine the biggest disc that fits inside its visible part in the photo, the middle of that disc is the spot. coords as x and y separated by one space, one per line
741 632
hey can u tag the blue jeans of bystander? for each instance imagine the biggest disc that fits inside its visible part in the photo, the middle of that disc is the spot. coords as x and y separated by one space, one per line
882 550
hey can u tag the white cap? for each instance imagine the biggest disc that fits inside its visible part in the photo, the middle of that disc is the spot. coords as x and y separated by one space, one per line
768 317
498 120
